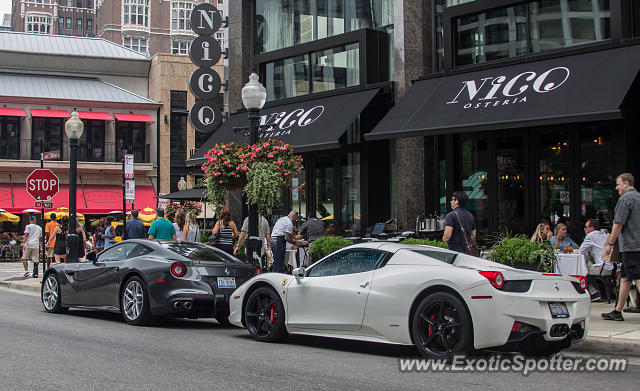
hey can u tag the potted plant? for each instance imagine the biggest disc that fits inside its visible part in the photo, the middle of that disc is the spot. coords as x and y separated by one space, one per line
520 252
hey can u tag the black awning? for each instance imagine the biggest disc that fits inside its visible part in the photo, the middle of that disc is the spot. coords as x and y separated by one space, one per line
575 88
194 194
310 125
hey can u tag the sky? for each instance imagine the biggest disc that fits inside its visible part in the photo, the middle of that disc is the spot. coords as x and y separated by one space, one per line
5 7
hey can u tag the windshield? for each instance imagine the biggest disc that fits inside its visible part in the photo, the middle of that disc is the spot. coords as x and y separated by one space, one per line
200 252
443 256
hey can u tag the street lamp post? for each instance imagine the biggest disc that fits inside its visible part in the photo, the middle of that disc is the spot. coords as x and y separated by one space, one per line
254 96
74 128
182 186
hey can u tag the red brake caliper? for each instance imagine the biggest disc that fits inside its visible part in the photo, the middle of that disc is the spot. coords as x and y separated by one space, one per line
431 328
273 313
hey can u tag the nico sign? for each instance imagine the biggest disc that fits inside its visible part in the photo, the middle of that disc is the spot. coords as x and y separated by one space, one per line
204 82
42 184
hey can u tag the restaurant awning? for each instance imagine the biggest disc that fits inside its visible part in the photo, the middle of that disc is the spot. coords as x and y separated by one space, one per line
310 125
195 194
50 113
91 199
95 115
569 89
133 117
7 112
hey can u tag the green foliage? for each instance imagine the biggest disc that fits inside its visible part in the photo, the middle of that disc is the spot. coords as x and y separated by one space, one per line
328 244
204 235
263 187
520 249
435 243
216 193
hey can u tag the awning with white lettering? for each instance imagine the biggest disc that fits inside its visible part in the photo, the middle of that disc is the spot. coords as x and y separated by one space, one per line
309 125
568 89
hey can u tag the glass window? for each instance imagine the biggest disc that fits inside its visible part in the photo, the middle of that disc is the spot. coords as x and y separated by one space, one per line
140 250
60 23
89 3
597 179
178 100
79 24
444 256
79 3
180 47
137 44
131 138
178 137
181 15
89 25
91 144
324 189
135 12
336 68
350 184
475 165
69 3
348 262
554 177
38 23
298 195
49 131
68 24
119 252
511 184
287 78
199 252
10 137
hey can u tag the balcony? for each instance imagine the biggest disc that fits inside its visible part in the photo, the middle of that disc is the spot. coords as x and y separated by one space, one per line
108 152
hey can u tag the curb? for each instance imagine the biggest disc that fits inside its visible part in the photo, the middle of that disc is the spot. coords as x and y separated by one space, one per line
610 346
21 287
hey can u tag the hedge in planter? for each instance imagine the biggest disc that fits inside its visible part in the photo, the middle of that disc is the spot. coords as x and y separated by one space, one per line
434 243
326 245
519 251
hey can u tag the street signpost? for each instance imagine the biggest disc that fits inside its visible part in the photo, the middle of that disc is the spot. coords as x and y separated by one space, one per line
51 155
130 190
128 166
43 204
42 184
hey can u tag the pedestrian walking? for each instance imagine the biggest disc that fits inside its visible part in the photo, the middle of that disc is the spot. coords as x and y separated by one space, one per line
191 231
109 233
48 230
626 231
162 228
460 226
281 229
82 239
178 224
226 231
263 234
135 227
31 252
59 237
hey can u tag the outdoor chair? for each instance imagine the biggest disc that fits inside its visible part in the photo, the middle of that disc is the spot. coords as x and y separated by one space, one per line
606 283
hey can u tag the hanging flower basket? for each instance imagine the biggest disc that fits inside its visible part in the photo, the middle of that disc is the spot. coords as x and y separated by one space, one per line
235 184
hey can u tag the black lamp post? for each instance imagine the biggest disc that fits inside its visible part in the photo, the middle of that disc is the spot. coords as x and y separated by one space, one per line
74 128
253 97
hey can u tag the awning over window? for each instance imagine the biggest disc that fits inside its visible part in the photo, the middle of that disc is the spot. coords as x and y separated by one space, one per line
12 112
50 113
95 115
91 199
569 89
310 125
133 117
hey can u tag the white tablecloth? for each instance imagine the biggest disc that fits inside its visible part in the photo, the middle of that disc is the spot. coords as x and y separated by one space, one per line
571 265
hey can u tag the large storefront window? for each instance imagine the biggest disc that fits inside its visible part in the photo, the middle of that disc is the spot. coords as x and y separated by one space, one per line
91 145
475 165
49 131
511 184
324 177
532 27
287 78
9 137
299 195
554 167
336 68
285 23
350 184
597 179
130 138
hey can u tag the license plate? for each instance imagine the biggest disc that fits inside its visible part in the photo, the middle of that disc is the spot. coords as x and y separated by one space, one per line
226 282
559 310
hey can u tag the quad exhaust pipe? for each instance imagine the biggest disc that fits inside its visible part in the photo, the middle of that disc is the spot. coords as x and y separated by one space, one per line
182 305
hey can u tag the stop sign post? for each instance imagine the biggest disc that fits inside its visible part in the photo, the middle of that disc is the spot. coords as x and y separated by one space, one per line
42 184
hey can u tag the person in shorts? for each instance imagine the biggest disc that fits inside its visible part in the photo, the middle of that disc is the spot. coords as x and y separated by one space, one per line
48 233
32 236
626 230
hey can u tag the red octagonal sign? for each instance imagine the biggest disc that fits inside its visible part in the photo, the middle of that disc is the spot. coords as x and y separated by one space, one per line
42 184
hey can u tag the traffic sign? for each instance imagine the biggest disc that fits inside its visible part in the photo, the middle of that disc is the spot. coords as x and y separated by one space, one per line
43 204
42 184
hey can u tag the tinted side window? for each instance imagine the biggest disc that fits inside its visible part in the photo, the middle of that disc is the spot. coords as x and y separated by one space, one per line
439 255
348 262
139 251
118 252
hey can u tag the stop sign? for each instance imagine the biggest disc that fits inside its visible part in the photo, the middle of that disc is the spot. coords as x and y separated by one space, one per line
42 184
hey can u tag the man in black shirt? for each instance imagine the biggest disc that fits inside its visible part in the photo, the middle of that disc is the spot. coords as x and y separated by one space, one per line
460 228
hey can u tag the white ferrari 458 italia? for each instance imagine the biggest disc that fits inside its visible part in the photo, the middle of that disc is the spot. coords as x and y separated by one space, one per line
441 301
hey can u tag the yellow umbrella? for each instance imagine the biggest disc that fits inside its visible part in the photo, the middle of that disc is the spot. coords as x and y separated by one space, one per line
10 217
62 211
147 214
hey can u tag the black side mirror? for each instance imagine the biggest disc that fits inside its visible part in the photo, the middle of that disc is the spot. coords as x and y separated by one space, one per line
91 257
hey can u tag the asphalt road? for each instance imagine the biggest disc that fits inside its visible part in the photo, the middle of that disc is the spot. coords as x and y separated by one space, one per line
86 350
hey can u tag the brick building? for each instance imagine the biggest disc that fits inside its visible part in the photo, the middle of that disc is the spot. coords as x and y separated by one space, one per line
62 17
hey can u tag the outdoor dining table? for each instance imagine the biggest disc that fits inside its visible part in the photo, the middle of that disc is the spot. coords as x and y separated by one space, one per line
571 264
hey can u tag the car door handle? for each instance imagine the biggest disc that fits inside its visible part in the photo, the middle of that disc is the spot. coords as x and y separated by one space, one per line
364 284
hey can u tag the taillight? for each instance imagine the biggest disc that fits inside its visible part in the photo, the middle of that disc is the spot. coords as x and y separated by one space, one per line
495 278
258 271
582 282
178 269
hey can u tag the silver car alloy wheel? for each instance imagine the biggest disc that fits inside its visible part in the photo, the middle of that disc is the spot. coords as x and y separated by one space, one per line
50 292
133 300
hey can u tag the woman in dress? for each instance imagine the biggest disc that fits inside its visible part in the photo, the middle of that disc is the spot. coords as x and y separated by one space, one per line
191 231
561 240
60 235
226 230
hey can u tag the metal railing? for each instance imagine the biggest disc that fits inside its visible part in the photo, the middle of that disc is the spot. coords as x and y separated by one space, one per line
87 152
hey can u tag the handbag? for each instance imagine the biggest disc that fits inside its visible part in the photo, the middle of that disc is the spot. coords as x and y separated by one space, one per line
614 256
472 247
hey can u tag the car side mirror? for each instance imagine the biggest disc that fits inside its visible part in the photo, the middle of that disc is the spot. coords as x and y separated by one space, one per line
298 273
91 257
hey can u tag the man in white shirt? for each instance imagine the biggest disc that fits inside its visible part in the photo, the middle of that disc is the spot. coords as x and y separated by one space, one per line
283 226
32 235
593 245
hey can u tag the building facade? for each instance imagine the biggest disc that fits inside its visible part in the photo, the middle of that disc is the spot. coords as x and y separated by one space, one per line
62 17
467 95
43 79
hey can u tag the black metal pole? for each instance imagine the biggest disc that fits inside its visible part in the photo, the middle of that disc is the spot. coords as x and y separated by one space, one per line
72 237
253 244
42 223
124 203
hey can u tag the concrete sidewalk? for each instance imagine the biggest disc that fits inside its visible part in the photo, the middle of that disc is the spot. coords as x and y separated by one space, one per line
605 337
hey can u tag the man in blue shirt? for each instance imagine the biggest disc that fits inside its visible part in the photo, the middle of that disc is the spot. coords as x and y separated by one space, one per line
162 228
109 234
135 227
